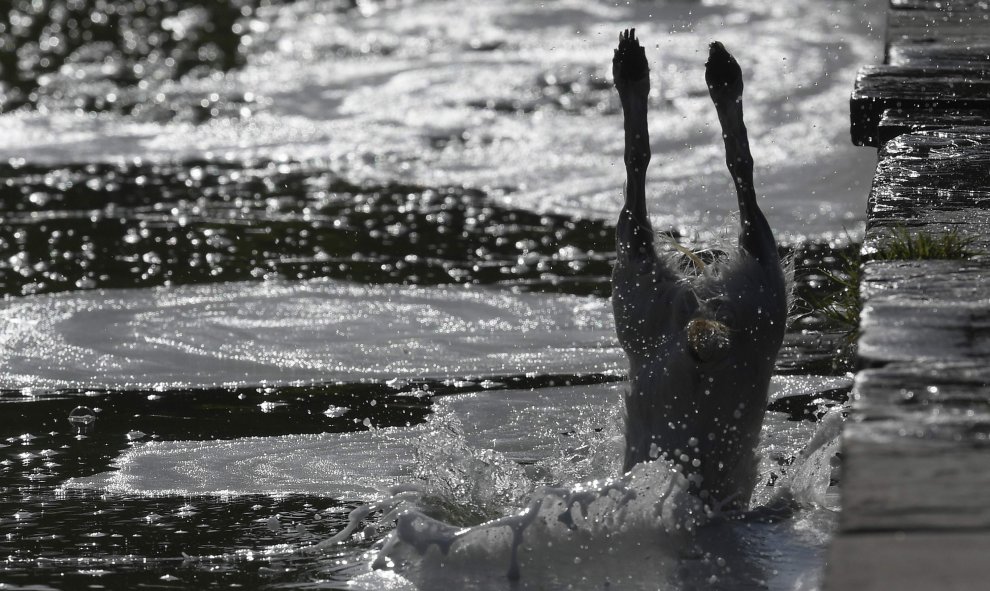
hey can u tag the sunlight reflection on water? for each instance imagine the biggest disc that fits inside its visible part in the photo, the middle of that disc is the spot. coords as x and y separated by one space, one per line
267 198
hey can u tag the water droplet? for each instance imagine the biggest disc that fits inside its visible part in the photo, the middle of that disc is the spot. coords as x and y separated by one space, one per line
82 418
397 383
336 411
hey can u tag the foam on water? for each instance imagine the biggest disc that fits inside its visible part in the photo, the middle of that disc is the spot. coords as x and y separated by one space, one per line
591 530
468 454
277 333
513 97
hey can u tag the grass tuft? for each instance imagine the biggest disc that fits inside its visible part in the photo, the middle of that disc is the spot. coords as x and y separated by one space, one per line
902 245
843 306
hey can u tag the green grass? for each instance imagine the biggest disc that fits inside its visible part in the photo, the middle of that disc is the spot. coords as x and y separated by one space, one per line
842 308
902 245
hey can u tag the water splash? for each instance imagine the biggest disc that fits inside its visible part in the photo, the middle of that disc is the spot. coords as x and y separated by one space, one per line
597 530
593 534
811 473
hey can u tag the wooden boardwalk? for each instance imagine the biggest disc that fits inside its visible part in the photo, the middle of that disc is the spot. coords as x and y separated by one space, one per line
916 450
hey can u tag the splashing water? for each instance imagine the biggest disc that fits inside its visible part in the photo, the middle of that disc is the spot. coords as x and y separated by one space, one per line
640 517
640 530
500 483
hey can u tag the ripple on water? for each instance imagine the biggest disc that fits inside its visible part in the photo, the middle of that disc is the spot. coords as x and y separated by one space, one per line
276 333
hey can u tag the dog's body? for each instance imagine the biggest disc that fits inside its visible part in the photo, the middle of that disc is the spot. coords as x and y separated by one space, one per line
701 348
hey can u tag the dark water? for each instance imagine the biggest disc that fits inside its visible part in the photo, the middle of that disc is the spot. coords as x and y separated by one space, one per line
67 50
135 224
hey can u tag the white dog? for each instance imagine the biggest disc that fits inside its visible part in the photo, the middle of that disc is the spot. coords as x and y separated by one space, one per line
701 346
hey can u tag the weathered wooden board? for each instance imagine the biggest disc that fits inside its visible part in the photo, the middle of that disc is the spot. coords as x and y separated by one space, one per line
939 32
973 53
932 181
953 23
937 57
939 4
879 88
895 122
949 561
916 450
925 311
898 476
916 456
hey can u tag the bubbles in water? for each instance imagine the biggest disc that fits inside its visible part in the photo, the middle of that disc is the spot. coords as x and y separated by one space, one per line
82 418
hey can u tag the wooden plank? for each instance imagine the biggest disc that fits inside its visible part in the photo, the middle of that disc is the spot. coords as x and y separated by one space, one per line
929 182
917 455
952 5
898 389
949 561
969 54
916 451
925 311
895 122
946 24
932 181
879 88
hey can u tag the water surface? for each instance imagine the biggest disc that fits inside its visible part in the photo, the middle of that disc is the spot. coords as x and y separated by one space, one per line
293 255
